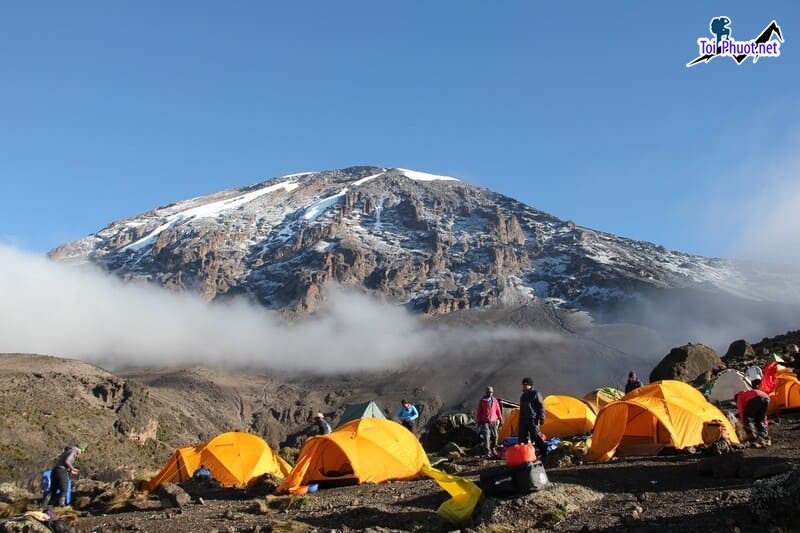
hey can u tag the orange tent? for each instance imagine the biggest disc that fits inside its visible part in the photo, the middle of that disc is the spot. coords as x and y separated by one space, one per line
234 459
565 416
664 413
786 394
367 450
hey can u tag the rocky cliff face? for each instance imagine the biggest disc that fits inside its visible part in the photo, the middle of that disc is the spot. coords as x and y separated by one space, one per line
430 242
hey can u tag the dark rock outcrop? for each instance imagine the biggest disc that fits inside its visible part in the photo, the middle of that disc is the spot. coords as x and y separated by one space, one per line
687 363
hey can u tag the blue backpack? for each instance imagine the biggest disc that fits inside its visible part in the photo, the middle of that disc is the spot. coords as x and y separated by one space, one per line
46 486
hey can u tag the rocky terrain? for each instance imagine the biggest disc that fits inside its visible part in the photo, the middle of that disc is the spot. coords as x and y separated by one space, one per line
432 243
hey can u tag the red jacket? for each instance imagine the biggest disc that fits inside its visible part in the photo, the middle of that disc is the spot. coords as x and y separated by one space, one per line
488 411
744 397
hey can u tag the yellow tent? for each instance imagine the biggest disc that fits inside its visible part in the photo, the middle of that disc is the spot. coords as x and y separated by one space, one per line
786 394
565 416
664 413
234 459
510 427
599 398
367 450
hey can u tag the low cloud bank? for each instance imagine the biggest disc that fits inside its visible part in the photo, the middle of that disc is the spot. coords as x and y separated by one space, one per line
81 312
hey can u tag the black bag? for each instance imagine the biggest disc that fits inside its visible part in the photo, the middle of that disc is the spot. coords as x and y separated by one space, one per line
504 480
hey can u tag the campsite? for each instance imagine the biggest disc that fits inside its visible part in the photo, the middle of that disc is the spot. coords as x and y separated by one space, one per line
618 462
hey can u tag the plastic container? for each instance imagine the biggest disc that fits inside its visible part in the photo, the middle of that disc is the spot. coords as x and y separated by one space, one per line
519 454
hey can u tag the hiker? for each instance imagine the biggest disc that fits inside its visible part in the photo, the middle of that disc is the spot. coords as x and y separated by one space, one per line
321 425
60 475
753 405
407 414
202 473
531 416
632 383
489 416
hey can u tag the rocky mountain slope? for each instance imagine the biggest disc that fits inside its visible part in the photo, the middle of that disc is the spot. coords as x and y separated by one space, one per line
430 242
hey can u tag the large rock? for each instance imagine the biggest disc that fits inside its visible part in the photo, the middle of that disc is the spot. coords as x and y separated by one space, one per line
23 525
774 499
173 496
740 351
686 363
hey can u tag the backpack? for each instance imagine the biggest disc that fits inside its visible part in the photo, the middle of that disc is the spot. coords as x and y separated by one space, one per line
714 431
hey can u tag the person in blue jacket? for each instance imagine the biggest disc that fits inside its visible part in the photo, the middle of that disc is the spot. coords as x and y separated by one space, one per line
407 414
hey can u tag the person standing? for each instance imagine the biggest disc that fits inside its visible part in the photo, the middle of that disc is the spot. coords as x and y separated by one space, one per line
407 414
633 383
753 406
531 416
321 425
60 475
489 416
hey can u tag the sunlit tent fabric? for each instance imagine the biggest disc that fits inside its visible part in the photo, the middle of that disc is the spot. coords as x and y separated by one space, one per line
510 427
727 384
786 394
565 416
235 460
464 495
355 411
664 413
599 398
367 450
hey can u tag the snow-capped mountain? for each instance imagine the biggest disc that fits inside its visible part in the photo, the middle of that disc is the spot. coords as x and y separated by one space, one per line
431 242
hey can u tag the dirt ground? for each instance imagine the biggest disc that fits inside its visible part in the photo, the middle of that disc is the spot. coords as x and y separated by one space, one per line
633 494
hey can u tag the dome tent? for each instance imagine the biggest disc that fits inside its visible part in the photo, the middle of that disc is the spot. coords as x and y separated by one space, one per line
365 450
235 460
652 417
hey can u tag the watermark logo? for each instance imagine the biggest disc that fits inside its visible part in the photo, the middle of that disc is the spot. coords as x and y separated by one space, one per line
723 45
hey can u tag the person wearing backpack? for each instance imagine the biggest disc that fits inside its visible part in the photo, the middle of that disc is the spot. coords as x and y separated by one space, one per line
60 475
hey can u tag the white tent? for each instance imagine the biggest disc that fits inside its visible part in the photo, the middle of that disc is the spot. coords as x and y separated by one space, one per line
727 384
752 373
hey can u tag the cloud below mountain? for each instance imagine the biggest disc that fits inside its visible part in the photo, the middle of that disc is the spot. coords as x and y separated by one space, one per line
78 311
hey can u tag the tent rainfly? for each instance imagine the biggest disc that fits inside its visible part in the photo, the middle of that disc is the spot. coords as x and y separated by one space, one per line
234 459
354 411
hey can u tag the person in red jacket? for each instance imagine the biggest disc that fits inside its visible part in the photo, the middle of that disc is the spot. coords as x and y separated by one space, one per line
489 416
753 405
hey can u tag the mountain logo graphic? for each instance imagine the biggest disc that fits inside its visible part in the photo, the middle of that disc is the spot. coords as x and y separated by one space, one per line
723 45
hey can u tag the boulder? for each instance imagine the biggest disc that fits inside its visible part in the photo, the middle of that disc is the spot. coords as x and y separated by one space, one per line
173 496
774 499
23 525
686 363
10 493
740 351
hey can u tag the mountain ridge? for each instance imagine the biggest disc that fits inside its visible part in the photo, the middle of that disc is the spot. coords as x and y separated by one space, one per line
432 243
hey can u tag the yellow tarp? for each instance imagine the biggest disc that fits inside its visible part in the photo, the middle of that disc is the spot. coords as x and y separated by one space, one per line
786 394
234 459
665 413
565 416
369 450
465 495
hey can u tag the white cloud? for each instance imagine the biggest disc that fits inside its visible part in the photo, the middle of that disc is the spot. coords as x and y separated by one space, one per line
80 312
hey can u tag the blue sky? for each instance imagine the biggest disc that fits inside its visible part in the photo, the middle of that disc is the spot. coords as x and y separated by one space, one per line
586 111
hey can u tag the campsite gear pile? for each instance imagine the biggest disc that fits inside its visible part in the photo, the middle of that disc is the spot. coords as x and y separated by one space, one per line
521 474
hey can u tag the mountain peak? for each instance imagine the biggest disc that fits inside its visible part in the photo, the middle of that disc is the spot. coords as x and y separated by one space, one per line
431 242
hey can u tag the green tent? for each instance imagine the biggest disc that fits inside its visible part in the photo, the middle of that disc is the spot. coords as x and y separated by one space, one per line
355 411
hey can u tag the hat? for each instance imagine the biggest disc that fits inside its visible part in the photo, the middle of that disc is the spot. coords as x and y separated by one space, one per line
319 415
489 389
527 381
